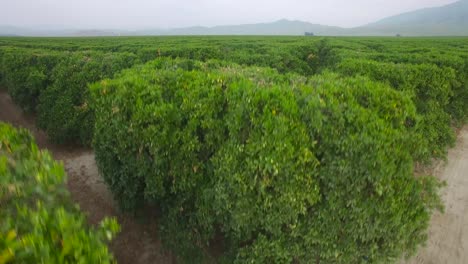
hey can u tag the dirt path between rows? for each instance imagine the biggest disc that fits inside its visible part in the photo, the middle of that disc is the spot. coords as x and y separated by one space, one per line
448 234
137 243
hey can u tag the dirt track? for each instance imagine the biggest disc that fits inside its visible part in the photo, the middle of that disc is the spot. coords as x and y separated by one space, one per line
448 234
137 243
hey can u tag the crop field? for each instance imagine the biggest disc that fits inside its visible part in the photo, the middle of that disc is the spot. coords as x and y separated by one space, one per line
233 149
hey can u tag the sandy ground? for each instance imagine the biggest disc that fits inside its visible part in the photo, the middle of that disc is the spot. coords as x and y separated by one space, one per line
448 234
137 243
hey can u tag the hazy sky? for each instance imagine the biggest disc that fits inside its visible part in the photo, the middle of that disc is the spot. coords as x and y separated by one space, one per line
132 14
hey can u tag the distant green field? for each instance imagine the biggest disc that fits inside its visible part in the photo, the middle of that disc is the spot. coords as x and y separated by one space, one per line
284 53
291 149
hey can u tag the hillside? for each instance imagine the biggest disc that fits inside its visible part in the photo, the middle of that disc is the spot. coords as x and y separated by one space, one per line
448 20
280 27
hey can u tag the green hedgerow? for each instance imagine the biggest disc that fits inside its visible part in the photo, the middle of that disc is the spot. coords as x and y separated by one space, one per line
283 168
38 222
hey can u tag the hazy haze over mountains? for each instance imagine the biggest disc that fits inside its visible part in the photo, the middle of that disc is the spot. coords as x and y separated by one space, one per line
450 19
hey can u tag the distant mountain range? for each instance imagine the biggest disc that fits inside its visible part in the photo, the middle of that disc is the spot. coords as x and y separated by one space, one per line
448 20
280 27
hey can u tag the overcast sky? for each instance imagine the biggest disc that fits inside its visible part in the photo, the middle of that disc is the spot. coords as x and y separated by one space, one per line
137 14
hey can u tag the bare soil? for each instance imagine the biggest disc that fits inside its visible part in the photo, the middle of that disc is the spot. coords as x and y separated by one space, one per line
137 242
448 234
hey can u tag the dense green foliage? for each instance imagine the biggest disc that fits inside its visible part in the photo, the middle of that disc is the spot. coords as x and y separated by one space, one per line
55 86
63 111
432 94
38 222
285 169
27 66
27 73
285 54
271 149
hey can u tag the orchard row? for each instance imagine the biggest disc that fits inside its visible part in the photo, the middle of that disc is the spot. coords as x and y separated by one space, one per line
289 149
